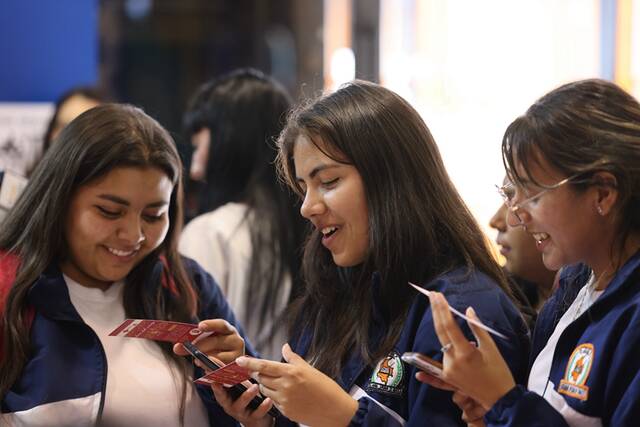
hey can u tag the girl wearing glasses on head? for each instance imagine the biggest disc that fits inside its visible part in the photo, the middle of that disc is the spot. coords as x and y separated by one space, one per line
574 163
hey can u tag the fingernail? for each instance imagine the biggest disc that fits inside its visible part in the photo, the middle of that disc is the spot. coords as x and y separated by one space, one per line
471 311
242 361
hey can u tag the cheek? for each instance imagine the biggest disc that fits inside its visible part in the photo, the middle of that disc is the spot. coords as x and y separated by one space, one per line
521 242
156 234
85 229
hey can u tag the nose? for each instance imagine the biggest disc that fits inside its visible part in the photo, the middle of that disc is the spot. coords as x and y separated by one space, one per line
312 204
130 230
499 219
517 216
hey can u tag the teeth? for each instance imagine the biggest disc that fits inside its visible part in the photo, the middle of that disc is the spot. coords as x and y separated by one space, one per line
121 253
328 230
540 237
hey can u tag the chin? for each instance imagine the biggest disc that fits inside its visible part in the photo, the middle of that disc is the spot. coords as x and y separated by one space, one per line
342 261
553 264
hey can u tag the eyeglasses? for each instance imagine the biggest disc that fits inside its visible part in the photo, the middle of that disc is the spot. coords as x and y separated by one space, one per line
508 192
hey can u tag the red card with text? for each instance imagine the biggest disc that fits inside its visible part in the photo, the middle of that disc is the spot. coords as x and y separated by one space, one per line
159 330
230 374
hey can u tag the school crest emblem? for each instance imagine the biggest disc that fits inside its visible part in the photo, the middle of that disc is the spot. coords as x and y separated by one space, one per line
388 376
577 373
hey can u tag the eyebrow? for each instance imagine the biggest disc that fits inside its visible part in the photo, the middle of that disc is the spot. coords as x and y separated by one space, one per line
122 201
319 169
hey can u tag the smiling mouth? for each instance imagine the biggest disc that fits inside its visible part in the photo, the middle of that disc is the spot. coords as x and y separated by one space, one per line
328 231
540 237
122 254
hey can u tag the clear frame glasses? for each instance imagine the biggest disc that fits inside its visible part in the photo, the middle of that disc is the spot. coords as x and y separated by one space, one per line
508 192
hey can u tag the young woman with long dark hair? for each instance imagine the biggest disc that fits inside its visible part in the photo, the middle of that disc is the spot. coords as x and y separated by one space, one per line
92 241
384 213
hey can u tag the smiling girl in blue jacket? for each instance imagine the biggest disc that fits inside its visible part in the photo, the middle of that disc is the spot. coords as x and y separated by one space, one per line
574 163
92 241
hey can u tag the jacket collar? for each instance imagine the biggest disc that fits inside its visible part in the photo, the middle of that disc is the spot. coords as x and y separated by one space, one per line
50 296
620 280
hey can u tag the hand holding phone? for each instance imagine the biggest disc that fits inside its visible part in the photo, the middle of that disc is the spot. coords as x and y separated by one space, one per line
235 390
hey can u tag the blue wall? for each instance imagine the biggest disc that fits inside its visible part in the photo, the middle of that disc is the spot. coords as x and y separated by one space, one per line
46 47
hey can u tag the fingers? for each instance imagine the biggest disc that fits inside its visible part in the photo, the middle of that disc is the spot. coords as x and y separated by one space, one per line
472 411
180 350
239 408
453 331
436 310
220 336
433 381
219 326
225 347
292 357
263 367
483 337
447 329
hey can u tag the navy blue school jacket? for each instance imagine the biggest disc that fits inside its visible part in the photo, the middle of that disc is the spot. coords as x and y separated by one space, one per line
65 378
388 393
595 372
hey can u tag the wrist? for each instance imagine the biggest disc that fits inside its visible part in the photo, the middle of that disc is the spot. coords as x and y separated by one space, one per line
496 394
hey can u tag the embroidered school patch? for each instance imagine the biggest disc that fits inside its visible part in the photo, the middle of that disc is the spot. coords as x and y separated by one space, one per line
388 376
577 372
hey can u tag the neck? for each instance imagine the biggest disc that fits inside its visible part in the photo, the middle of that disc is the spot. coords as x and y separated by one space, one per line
606 271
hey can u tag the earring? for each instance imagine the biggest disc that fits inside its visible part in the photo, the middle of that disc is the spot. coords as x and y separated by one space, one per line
599 209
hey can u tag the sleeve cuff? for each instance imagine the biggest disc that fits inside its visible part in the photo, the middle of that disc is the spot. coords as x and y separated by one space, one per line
361 413
505 403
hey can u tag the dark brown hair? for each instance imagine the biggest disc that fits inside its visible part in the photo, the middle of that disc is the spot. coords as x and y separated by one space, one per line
581 128
245 111
419 227
92 145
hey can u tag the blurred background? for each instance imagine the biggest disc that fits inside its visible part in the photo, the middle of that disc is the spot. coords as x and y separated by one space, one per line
469 67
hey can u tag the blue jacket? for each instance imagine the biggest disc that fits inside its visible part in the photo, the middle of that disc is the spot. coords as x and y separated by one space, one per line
68 364
389 394
595 370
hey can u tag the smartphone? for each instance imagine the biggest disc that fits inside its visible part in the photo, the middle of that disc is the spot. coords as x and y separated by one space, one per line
420 361
236 390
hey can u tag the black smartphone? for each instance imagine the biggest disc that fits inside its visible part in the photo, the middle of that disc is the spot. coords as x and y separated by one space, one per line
236 390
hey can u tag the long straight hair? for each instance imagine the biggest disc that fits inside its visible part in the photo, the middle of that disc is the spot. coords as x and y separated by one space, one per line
92 145
419 227
245 112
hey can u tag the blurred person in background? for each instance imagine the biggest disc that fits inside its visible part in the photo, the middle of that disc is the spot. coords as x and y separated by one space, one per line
523 262
248 233
69 106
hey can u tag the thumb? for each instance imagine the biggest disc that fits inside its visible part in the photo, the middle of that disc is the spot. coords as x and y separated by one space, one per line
290 356
483 337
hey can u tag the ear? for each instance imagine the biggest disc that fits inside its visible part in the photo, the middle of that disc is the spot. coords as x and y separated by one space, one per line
606 192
